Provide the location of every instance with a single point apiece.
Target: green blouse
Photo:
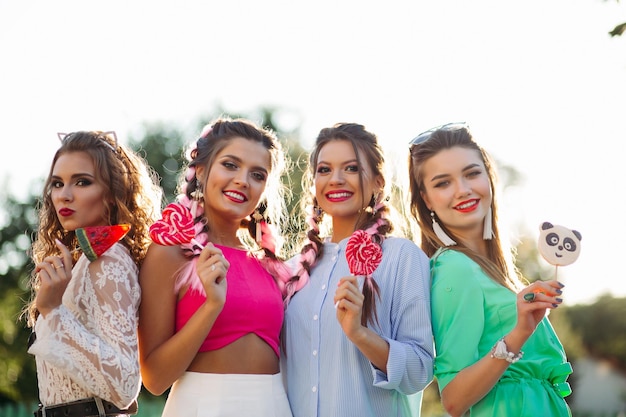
(470, 313)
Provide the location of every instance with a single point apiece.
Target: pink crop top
(253, 304)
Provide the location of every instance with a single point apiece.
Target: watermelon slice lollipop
(95, 240)
(175, 227)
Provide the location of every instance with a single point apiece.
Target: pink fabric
(253, 304)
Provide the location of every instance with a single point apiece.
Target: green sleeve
(457, 302)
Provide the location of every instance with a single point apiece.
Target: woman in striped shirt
(355, 345)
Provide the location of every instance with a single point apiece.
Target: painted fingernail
(555, 305)
(559, 292)
(561, 284)
(560, 300)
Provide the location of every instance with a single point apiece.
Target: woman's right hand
(55, 273)
(211, 268)
(533, 302)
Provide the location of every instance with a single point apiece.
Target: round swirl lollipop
(175, 227)
(362, 254)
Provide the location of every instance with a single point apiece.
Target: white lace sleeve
(88, 346)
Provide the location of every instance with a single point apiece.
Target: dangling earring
(197, 193)
(487, 230)
(258, 217)
(445, 239)
(371, 208)
(317, 213)
(197, 197)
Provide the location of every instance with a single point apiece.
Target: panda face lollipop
(559, 245)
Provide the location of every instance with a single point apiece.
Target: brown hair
(131, 195)
(495, 264)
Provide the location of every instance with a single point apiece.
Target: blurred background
(542, 85)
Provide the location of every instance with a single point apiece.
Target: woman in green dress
(496, 351)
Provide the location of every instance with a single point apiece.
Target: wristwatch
(501, 351)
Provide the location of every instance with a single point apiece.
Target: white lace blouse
(88, 345)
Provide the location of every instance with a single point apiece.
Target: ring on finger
(529, 297)
(213, 267)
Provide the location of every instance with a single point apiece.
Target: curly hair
(131, 195)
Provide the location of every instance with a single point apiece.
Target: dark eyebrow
(238, 159)
(438, 177)
(74, 176)
(352, 161)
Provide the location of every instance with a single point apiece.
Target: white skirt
(198, 394)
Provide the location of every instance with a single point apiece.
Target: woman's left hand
(55, 273)
(349, 303)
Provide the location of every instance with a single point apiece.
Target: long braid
(379, 227)
(269, 243)
(309, 255)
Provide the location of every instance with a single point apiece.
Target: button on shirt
(326, 374)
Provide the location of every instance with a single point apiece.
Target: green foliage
(17, 367)
(163, 149)
(602, 328)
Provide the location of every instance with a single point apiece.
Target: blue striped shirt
(326, 375)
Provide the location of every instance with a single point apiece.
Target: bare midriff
(247, 355)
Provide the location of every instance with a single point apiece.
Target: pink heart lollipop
(362, 254)
(175, 227)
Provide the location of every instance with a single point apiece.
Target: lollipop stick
(198, 244)
(556, 271)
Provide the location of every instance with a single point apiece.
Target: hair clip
(114, 137)
(110, 134)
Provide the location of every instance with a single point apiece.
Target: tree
(619, 29)
(602, 328)
(17, 367)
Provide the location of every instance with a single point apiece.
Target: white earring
(487, 230)
(445, 239)
(258, 217)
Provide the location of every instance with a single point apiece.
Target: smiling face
(337, 183)
(236, 180)
(77, 196)
(457, 189)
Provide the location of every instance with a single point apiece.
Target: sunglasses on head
(424, 136)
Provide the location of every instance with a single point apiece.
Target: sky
(541, 84)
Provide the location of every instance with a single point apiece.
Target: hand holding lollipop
(363, 256)
(175, 227)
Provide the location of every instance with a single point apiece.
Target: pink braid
(274, 266)
(188, 275)
(307, 257)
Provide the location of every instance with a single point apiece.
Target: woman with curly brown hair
(84, 310)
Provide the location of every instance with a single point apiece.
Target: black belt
(88, 407)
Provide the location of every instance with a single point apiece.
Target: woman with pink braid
(212, 310)
(355, 345)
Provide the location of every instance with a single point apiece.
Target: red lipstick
(467, 206)
(66, 212)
